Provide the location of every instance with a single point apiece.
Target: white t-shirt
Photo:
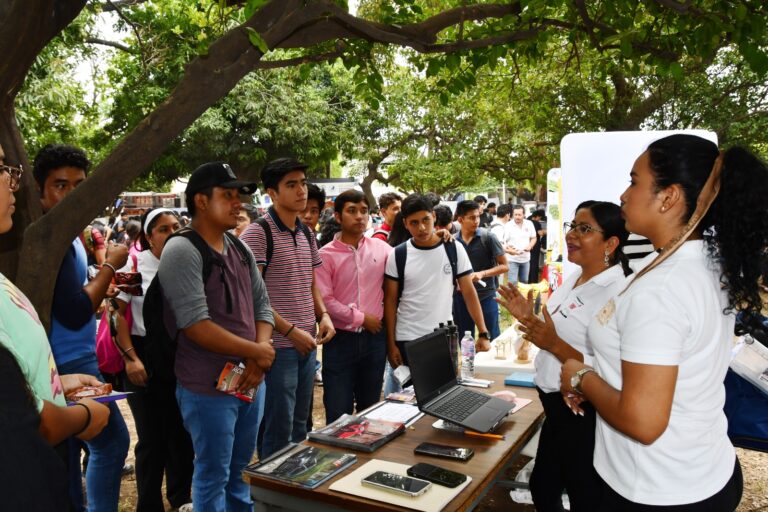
(571, 310)
(671, 316)
(519, 237)
(427, 298)
(146, 263)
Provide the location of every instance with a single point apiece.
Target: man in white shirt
(519, 239)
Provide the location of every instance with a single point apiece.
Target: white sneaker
(187, 507)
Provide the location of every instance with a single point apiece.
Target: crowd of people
(630, 369)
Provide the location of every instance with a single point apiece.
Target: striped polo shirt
(289, 274)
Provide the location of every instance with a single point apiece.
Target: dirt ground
(754, 465)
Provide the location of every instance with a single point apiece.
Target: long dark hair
(736, 227)
(399, 233)
(608, 217)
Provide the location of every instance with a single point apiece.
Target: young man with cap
(225, 319)
(286, 252)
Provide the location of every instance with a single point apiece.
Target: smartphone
(447, 452)
(397, 483)
(437, 475)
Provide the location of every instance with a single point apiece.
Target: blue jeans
(353, 366)
(518, 272)
(107, 452)
(464, 321)
(223, 430)
(290, 382)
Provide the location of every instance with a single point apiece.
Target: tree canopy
(451, 42)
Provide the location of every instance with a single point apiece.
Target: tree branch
(113, 44)
(296, 61)
(117, 4)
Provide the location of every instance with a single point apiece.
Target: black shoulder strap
(401, 253)
(308, 234)
(453, 258)
(262, 221)
(201, 246)
(245, 255)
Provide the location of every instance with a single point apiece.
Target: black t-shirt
(32, 476)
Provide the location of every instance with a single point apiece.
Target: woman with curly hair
(662, 345)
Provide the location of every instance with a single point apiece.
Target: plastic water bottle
(453, 344)
(467, 356)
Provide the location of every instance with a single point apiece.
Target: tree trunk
(367, 185)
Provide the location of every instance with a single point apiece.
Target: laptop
(438, 391)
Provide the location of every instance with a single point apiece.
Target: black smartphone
(447, 452)
(400, 484)
(436, 475)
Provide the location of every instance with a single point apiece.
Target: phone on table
(400, 484)
(437, 475)
(447, 452)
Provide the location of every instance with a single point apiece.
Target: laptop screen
(431, 367)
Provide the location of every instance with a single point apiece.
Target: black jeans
(564, 458)
(164, 446)
(726, 500)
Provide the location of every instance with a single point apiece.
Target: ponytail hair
(735, 228)
(608, 217)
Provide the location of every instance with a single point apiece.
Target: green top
(23, 334)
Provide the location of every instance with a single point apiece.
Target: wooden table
(491, 458)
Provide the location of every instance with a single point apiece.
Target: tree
(658, 33)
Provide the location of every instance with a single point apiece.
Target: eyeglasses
(580, 229)
(14, 176)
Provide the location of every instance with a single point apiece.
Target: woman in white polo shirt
(662, 346)
(564, 458)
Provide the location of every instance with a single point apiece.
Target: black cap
(217, 174)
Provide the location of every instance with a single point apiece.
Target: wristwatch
(484, 335)
(578, 376)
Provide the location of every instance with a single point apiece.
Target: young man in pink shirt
(351, 281)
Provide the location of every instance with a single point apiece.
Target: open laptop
(438, 392)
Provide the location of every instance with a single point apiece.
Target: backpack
(262, 221)
(159, 345)
(381, 232)
(401, 254)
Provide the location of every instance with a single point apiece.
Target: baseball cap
(217, 174)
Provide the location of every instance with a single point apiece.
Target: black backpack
(401, 254)
(262, 221)
(160, 345)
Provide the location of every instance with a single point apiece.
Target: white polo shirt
(571, 310)
(519, 237)
(672, 316)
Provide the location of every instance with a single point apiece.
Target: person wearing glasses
(564, 458)
(36, 419)
(663, 344)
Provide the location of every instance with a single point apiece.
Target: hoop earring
(606, 260)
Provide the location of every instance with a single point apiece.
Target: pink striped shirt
(351, 281)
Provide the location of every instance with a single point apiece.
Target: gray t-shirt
(180, 269)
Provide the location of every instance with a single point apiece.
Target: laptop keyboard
(459, 407)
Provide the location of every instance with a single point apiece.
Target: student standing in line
(427, 284)
(290, 276)
(224, 319)
(351, 280)
(488, 261)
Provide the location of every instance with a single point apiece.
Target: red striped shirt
(289, 274)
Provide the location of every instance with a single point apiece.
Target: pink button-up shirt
(351, 281)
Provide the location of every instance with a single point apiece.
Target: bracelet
(109, 265)
(125, 354)
(289, 331)
(87, 420)
(324, 313)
